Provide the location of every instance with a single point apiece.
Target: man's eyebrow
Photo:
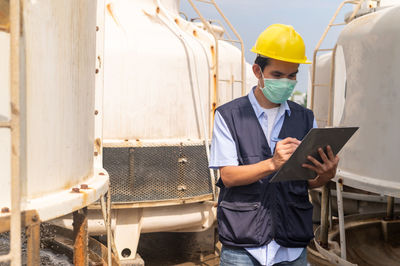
(276, 72)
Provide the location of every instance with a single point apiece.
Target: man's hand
(283, 150)
(326, 170)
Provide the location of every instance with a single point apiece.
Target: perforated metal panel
(140, 174)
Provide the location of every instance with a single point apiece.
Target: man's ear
(257, 71)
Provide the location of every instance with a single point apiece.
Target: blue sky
(251, 17)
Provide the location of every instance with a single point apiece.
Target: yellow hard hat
(283, 43)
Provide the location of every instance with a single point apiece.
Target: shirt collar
(284, 107)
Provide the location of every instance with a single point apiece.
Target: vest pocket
(299, 221)
(238, 222)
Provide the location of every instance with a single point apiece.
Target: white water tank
(371, 55)
(58, 90)
(159, 100)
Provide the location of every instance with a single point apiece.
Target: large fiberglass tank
(57, 137)
(164, 77)
(371, 55)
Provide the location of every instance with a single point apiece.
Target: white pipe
(342, 231)
(15, 229)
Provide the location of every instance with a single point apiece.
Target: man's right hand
(283, 150)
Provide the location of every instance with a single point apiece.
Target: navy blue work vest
(254, 214)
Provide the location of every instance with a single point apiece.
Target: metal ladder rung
(337, 24)
(324, 50)
(205, 1)
(227, 40)
(229, 80)
(5, 124)
(322, 85)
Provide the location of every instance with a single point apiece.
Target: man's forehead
(282, 66)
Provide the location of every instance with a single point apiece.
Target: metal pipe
(109, 233)
(342, 231)
(5, 258)
(5, 124)
(390, 208)
(324, 216)
(15, 228)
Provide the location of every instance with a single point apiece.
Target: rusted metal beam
(33, 244)
(390, 208)
(80, 224)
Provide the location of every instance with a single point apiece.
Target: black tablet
(336, 137)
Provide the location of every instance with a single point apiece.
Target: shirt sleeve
(223, 147)
(315, 124)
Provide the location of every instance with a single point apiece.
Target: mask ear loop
(262, 75)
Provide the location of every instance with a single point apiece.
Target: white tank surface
(371, 55)
(164, 77)
(58, 77)
(321, 93)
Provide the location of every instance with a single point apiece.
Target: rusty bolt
(97, 28)
(158, 10)
(96, 153)
(35, 218)
(97, 70)
(75, 190)
(84, 186)
(340, 180)
(101, 173)
(5, 210)
(96, 112)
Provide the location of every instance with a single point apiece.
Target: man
(262, 223)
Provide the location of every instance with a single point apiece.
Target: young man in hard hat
(262, 223)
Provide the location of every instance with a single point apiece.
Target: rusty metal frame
(238, 40)
(317, 48)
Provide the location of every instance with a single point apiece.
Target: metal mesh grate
(157, 173)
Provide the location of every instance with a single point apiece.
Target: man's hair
(262, 61)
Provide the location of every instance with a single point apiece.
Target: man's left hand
(325, 170)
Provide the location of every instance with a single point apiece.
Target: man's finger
(330, 153)
(314, 161)
(309, 167)
(290, 140)
(323, 155)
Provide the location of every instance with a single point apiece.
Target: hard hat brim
(290, 60)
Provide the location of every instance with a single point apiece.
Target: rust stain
(5, 15)
(84, 186)
(176, 21)
(158, 10)
(97, 145)
(80, 237)
(14, 109)
(5, 210)
(75, 190)
(110, 10)
(195, 33)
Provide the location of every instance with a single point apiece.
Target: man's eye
(277, 75)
